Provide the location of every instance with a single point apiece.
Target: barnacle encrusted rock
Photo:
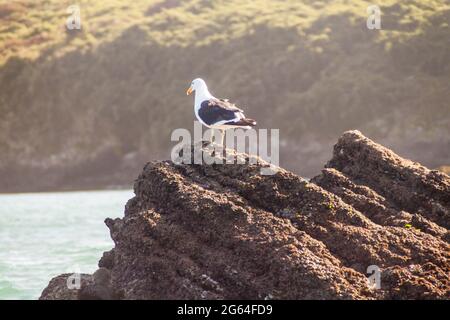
(228, 232)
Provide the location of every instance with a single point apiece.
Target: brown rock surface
(58, 288)
(405, 184)
(228, 232)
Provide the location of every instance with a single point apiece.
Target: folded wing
(221, 112)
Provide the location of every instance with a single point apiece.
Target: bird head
(197, 84)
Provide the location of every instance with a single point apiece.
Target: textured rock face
(58, 288)
(405, 184)
(228, 232)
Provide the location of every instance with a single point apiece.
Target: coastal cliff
(228, 232)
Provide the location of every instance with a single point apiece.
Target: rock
(374, 206)
(101, 288)
(90, 287)
(228, 232)
(407, 185)
(58, 288)
(107, 260)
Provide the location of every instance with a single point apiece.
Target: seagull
(217, 113)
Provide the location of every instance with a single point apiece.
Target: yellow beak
(189, 91)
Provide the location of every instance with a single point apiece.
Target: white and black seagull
(217, 113)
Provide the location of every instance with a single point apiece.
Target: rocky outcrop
(63, 288)
(228, 232)
(405, 184)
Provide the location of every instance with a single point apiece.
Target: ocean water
(45, 234)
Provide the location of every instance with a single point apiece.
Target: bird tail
(244, 122)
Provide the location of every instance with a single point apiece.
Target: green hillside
(87, 108)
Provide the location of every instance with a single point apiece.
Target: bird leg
(223, 136)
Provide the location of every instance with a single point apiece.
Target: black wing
(215, 110)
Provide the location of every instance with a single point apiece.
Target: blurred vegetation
(29, 27)
(101, 100)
